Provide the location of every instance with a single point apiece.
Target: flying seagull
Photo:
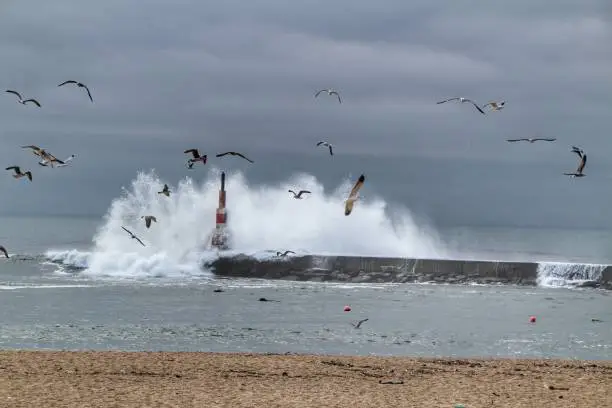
(235, 154)
(462, 100)
(283, 254)
(359, 323)
(62, 163)
(331, 151)
(3, 250)
(165, 191)
(80, 85)
(530, 140)
(354, 195)
(18, 173)
(43, 154)
(583, 160)
(298, 196)
(495, 106)
(22, 101)
(148, 219)
(196, 158)
(330, 92)
(132, 235)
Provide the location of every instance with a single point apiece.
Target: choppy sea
(81, 283)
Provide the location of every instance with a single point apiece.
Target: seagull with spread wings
(353, 196)
(359, 323)
(80, 85)
(132, 235)
(235, 154)
(196, 158)
(298, 196)
(581, 164)
(21, 100)
(462, 100)
(63, 163)
(165, 191)
(148, 219)
(19, 174)
(330, 92)
(284, 254)
(329, 145)
(531, 140)
(43, 154)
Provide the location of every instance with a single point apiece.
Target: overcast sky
(241, 75)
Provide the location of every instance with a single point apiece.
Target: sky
(233, 75)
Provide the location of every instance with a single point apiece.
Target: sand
(157, 379)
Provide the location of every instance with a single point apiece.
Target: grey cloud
(243, 74)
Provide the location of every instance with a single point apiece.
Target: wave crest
(260, 218)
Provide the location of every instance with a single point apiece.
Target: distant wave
(261, 218)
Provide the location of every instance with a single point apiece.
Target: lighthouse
(220, 235)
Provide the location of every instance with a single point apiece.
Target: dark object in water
(263, 299)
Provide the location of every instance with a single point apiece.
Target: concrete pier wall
(369, 269)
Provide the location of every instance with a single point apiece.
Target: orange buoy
(347, 308)
(532, 319)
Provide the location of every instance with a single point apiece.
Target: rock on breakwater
(375, 270)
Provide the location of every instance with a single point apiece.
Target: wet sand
(158, 379)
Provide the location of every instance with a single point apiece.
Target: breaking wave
(260, 219)
(559, 274)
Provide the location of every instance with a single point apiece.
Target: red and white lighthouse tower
(220, 236)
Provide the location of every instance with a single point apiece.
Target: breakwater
(379, 270)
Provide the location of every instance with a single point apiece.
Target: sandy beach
(159, 379)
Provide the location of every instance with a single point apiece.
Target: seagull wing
(337, 94)
(4, 251)
(348, 204)
(67, 82)
(515, 140)
(34, 101)
(36, 149)
(244, 157)
(292, 192)
(357, 186)
(331, 151)
(322, 90)
(303, 192)
(127, 230)
(194, 153)
(16, 168)
(29, 174)
(322, 143)
(582, 164)
(138, 239)
(88, 93)
(223, 154)
(14, 92)
(476, 106)
(546, 140)
(448, 100)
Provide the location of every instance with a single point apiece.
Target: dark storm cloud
(243, 74)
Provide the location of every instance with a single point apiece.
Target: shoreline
(182, 379)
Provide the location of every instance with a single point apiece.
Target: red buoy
(532, 319)
(347, 308)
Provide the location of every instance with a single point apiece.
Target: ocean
(80, 282)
